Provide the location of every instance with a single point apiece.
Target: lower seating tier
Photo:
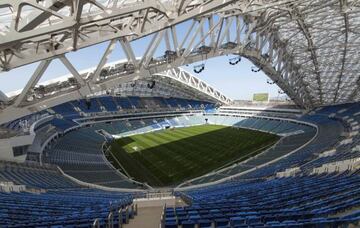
(285, 202)
(66, 208)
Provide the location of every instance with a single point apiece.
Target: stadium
(144, 141)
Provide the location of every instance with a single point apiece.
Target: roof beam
(38, 73)
(36, 18)
(343, 5)
(311, 48)
(72, 70)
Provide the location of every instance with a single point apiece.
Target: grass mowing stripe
(205, 145)
(129, 163)
(152, 159)
(154, 166)
(175, 154)
(168, 157)
(165, 154)
(188, 154)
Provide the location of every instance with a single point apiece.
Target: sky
(235, 81)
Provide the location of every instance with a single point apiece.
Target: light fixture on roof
(235, 60)
(199, 68)
(151, 85)
(268, 81)
(265, 56)
(255, 69)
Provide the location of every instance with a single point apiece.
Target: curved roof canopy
(308, 47)
(322, 39)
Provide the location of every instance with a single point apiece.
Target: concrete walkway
(150, 211)
(148, 217)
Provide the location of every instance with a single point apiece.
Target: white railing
(338, 166)
(39, 122)
(90, 185)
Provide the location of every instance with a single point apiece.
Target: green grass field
(169, 157)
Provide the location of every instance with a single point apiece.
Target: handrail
(99, 186)
(127, 214)
(163, 217)
(96, 223)
(38, 122)
(45, 144)
(110, 220)
(120, 218)
(132, 214)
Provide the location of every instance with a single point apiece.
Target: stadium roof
(174, 82)
(308, 47)
(322, 39)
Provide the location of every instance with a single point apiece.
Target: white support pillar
(72, 70)
(128, 50)
(175, 39)
(238, 30)
(78, 5)
(221, 24)
(167, 40)
(226, 30)
(103, 60)
(3, 97)
(271, 47)
(33, 80)
(202, 37)
(189, 48)
(151, 49)
(251, 27)
(187, 34)
(205, 36)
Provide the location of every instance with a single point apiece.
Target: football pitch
(169, 157)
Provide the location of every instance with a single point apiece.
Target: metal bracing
(61, 26)
(311, 48)
(343, 5)
(192, 52)
(186, 78)
(103, 60)
(32, 82)
(72, 70)
(308, 47)
(172, 83)
(328, 56)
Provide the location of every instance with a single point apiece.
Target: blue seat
(188, 224)
(237, 221)
(204, 223)
(171, 225)
(221, 222)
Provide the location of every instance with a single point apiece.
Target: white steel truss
(190, 80)
(172, 83)
(309, 48)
